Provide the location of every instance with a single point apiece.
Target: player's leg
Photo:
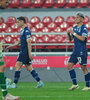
(2, 80)
(6, 95)
(17, 72)
(35, 75)
(72, 61)
(16, 75)
(72, 76)
(83, 62)
(87, 77)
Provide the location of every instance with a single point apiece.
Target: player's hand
(70, 31)
(6, 49)
(31, 57)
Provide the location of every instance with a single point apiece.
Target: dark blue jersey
(79, 45)
(25, 34)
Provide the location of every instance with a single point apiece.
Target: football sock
(3, 84)
(73, 76)
(87, 79)
(35, 75)
(17, 76)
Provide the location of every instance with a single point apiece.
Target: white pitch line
(53, 96)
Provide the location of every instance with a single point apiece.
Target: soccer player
(6, 95)
(25, 56)
(79, 54)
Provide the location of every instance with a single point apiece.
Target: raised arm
(82, 38)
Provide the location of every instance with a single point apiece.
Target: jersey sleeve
(28, 34)
(85, 32)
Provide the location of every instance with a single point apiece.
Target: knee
(29, 69)
(69, 66)
(17, 67)
(85, 70)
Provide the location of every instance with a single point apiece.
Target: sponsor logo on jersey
(28, 36)
(27, 31)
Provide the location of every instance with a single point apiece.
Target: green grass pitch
(51, 91)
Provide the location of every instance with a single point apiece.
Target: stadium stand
(44, 25)
(49, 4)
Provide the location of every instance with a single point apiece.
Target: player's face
(4, 3)
(19, 23)
(78, 19)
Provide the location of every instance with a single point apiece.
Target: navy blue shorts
(80, 57)
(24, 58)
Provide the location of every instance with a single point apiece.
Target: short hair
(81, 15)
(22, 19)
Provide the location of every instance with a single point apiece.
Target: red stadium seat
(52, 39)
(70, 20)
(71, 3)
(58, 29)
(1, 20)
(49, 3)
(48, 39)
(33, 37)
(88, 26)
(12, 39)
(2, 38)
(26, 3)
(52, 26)
(46, 30)
(15, 37)
(64, 26)
(65, 40)
(4, 26)
(10, 20)
(39, 39)
(45, 38)
(86, 20)
(8, 30)
(60, 3)
(37, 3)
(14, 3)
(1, 28)
(35, 20)
(39, 26)
(14, 27)
(8, 39)
(83, 3)
(47, 20)
(34, 30)
(58, 20)
(88, 40)
(58, 38)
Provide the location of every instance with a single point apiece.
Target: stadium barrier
(44, 61)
